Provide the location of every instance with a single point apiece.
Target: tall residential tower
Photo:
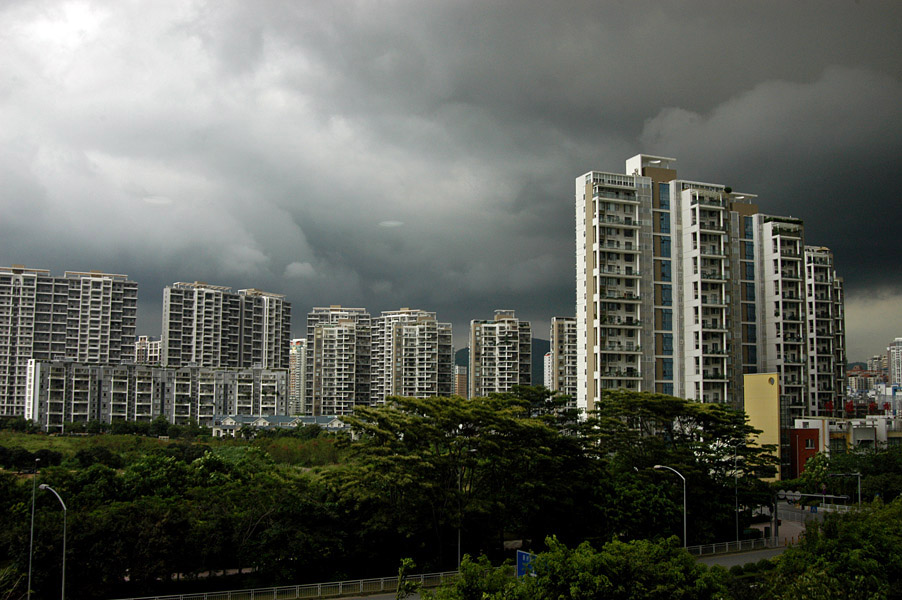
(82, 316)
(412, 355)
(500, 354)
(684, 286)
(211, 326)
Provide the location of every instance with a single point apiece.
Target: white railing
(725, 547)
(334, 589)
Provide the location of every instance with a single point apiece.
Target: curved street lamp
(44, 486)
(34, 483)
(684, 496)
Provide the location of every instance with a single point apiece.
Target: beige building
(500, 354)
(461, 381)
(338, 375)
(211, 326)
(412, 355)
(561, 368)
(147, 350)
(82, 316)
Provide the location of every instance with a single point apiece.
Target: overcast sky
(422, 154)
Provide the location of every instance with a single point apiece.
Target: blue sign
(524, 564)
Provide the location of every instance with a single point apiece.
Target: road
(390, 596)
(741, 558)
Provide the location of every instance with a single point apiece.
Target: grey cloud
(262, 145)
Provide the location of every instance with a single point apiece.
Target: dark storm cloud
(422, 154)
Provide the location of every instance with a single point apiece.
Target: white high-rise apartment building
(826, 332)
(297, 367)
(412, 355)
(560, 375)
(211, 326)
(82, 316)
(894, 360)
(683, 287)
(147, 350)
(338, 373)
(500, 354)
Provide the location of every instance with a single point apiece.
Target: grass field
(69, 445)
(288, 450)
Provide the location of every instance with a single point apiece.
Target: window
(749, 226)
(664, 222)
(665, 270)
(667, 388)
(751, 333)
(664, 195)
(667, 319)
(665, 247)
(666, 295)
(667, 344)
(750, 271)
(667, 369)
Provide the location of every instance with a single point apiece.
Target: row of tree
(427, 479)
(850, 555)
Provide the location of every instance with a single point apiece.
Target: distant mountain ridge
(539, 348)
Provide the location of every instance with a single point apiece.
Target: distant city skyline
(422, 154)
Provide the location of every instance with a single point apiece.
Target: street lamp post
(684, 497)
(44, 486)
(856, 474)
(736, 490)
(34, 483)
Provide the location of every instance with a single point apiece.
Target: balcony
(618, 347)
(710, 275)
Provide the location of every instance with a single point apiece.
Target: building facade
(63, 392)
(683, 287)
(147, 350)
(82, 316)
(297, 367)
(461, 382)
(561, 368)
(210, 326)
(339, 349)
(893, 360)
(500, 354)
(412, 355)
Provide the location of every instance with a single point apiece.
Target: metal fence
(359, 587)
(725, 547)
(334, 589)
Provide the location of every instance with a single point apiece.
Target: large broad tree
(711, 445)
(489, 469)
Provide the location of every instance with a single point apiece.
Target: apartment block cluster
(683, 287)
(69, 353)
(68, 350)
(350, 358)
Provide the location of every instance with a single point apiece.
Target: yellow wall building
(762, 405)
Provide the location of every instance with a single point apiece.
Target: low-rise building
(63, 392)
